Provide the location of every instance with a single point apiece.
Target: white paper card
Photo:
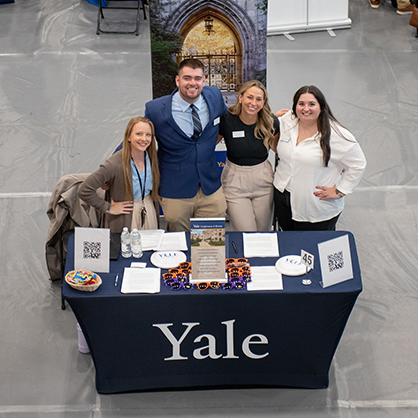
(173, 241)
(307, 259)
(238, 134)
(261, 245)
(335, 260)
(265, 278)
(92, 249)
(141, 280)
(138, 265)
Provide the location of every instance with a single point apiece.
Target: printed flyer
(207, 239)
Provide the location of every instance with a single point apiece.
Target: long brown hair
(264, 129)
(326, 120)
(126, 159)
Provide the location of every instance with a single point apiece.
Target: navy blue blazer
(184, 163)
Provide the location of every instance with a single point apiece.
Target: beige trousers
(177, 212)
(403, 4)
(249, 196)
(151, 220)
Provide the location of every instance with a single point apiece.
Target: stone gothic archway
(220, 50)
(189, 13)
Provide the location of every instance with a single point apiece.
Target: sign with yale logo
(210, 350)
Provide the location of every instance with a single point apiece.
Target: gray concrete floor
(66, 95)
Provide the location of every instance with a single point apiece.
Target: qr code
(92, 249)
(335, 261)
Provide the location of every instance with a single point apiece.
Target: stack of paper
(265, 278)
(159, 240)
(151, 238)
(261, 245)
(173, 241)
(141, 280)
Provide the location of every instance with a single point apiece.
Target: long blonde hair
(126, 160)
(264, 129)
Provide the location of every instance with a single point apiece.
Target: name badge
(238, 134)
(216, 121)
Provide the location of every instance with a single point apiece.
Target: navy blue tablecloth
(217, 338)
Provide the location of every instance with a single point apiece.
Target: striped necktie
(197, 126)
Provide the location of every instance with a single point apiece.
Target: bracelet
(108, 208)
(339, 193)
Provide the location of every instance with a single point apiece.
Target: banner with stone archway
(228, 36)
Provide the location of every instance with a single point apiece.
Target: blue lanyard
(142, 188)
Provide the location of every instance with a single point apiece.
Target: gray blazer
(110, 171)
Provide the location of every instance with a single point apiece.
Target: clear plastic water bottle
(125, 243)
(136, 244)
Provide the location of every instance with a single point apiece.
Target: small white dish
(167, 259)
(290, 265)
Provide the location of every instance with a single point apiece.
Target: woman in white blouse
(319, 163)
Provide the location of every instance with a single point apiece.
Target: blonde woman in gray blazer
(132, 176)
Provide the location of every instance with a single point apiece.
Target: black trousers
(283, 214)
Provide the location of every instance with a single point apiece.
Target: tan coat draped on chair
(66, 211)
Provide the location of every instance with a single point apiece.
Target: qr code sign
(335, 261)
(92, 249)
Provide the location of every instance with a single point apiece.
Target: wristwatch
(339, 193)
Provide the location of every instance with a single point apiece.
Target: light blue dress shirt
(135, 181)
(182, 113)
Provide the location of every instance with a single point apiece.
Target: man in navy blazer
(190, 185)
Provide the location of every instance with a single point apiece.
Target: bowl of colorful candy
(85, 281)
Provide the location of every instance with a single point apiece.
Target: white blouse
(301, 169)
